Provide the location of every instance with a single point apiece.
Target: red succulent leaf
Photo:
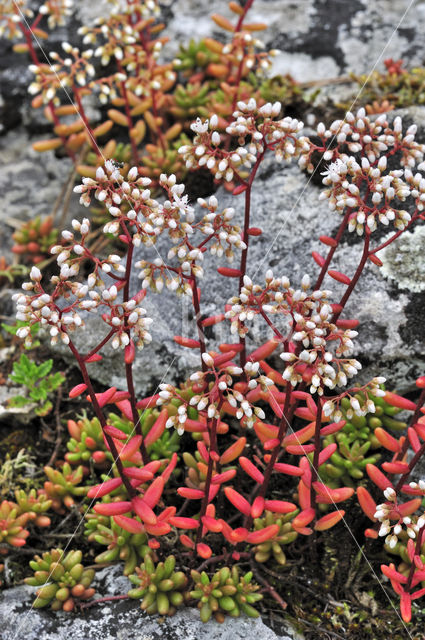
(279, 506)
(112, 508)
(257, 507)
(238, 501)
(203, 550)
(392, 574)
(192, 494)
(257, 537)
(186, 541)
(211, 524)
(129, 524)
(183, 523)
(406, 606)
(143, 510)
(103, 489)
(303, 518)
(153, 493)
(157, 429)
(251, 470)
(77, 390)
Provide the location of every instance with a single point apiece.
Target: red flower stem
(315, 463)
(28, 39)
(82, 114)
(86, 605)
(100, 345)
(129, 366)
(396, 235)
(212, 447)
(418, 548)
(198, 318)
(268, 587)
(245, 238)
(129, 118)
(355, 278)
(283, 428)
(271, 325)
(332, 251)
(100, 416)
(238, 79)
(242, 17)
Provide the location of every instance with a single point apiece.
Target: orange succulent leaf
(234, 451)
(265, 431)
(388, 441)
(378, 477)
(264, 351)
(303, 518)
(367, 503)
(327, 495)
(398, 401)
(203, 550)
(329, 520)
(299, 437)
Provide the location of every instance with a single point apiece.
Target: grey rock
(403, 260)
(29, 181)
(120, 620)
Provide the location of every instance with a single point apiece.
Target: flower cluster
(10, 17)
(56, 11)
(391, 510)
(360, 403)
(256, 124)
(117, 38)
(311, 330)
(123, 318)
(65, 72)
(359, 178)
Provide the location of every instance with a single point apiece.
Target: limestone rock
(120, 620)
